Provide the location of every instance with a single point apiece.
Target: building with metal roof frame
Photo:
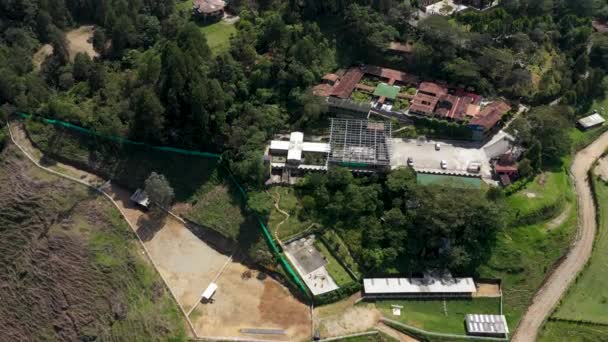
(360, 145)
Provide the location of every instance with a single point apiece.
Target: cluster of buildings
(438, 286)
(400, 95)
(360, 145)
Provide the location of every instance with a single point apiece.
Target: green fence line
(276, 251)
(270, 240)
(120, 139)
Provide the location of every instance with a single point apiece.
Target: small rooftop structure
(486, 325)
(592, 120)
(209, 291)
(599, 26)
(428, 285)
(360, 144)
(208, 7)
(141, 197)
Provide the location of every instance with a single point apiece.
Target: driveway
(560, 279)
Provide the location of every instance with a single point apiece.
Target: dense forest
(157, 80)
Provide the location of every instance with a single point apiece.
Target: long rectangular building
(430, 286)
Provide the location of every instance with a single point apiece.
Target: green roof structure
(388, 91)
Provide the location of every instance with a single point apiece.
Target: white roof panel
(418, 285)
(591, 120)
(210, 290)
(279, 145)
(315, 147)
(486, 324)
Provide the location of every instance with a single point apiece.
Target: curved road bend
(558, 281)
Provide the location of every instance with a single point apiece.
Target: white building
(293, 153)
(487, 325)
(592, 120)
(428, 286)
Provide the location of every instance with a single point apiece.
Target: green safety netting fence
(273, 246)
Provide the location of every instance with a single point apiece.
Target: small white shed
(209, 291)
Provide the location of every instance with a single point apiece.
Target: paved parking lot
(458, 155)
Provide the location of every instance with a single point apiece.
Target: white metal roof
(296, 137)
(315, 147)
(209, 291)
(418, 285)
(279, 145)
(486, 324)
(591, 120)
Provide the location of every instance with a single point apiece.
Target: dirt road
(549, 294)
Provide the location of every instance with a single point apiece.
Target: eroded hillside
(71, 269)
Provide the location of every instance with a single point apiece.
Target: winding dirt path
(558, 281)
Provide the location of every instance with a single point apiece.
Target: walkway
(560, 279)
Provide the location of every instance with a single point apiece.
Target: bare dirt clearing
(187, 263)
(343, 318)
(558, 281)
(247, 299)
(40, 55)
(79, 40)
(487, 290)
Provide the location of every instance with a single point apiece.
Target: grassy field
(556, 331)
(217, 205)
(587, 298)
(449, 181)
(542, 198)
(431, 315)
(217, 34)
(288, 203)
(523, 254)
(336, 271)
(72, 268)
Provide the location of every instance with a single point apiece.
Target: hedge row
(339, 294)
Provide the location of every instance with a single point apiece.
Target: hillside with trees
(156, 81)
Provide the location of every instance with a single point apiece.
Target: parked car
(437, 146)
(410, 161)
(444, 164)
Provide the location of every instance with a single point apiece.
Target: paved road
(555, 286)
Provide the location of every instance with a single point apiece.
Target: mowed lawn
(555, 331)
(433, 315)
(547, 190)
(587, 298)
(523, 254)
(335, 269)
(218, 36)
